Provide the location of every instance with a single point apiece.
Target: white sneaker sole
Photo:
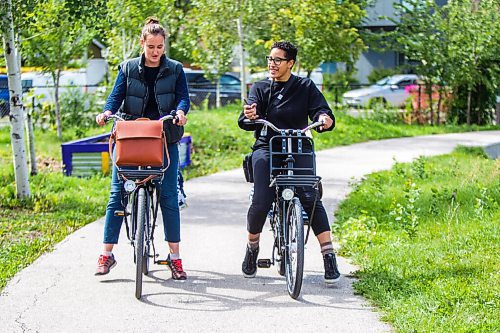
(331, 281)
(249, 276)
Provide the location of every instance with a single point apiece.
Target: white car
(391, 90)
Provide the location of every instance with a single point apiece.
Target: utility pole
(242, 56)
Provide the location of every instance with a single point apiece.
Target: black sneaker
(332, 273)
(249, 266)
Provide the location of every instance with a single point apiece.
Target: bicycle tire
(294, 248)
(139, 241)
(147, 237)
(145, 260)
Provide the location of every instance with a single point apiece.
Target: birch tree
(16, 107)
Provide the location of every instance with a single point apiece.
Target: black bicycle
(287, 218)
(140, 197)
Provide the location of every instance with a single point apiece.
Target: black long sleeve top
(287, 105)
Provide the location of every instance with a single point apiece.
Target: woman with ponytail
(149, 86)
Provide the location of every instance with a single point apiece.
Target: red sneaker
(104, 264)
(175, 266)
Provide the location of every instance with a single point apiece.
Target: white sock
(174, 256)
(107, 254)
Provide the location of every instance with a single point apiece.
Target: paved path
(58, 293)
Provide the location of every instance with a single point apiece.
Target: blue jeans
(168, 203)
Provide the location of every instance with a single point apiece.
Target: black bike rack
(139, 174)
(295, 180)
(297, 141)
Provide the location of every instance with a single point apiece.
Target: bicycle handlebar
(118, 118)
(276, 129)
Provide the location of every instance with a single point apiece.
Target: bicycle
(140, 198)
(286, 217)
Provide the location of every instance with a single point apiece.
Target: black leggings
(263, 196)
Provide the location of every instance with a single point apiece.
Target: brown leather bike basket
(139, 143)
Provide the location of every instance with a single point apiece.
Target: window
(404, 83)
(229, 82)
(27, 84)
(4, 84)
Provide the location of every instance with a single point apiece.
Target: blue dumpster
(88, 156)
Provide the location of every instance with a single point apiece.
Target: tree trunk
(497, 113)
(431, 108)
(56, 102)
(440, 98)
(124, 43)
(478, 105)
(419, 102)
(217, 94)
(16, 107)
(242, 59)
(167, 46)
(469, 93)
(31, 142)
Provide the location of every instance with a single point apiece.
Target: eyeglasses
(277, 61)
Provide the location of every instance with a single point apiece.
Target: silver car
(392, 90)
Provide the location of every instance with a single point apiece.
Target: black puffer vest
(136, 96)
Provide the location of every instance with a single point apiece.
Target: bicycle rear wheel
(294, 248)
(139, 241)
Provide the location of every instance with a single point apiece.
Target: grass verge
(426, 236)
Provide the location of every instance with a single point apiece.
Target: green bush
(483, 102)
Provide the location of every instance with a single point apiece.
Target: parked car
(4, 96)
(392, 90)
(201, 89)
(316, 76)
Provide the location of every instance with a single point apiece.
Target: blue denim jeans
(168, 203)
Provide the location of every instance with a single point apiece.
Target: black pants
(264, 195)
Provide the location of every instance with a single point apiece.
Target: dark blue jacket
(130, 92)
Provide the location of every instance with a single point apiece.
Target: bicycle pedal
(162, 262)
(264, 263)
(119, 213)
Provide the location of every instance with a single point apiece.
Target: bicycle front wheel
(294, 248)
(139, 241)
(148, 233)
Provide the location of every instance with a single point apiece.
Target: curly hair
(289, 48)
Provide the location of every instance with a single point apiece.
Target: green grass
(58, 207)
(426, 236)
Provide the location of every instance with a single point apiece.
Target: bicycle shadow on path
(212, 291)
